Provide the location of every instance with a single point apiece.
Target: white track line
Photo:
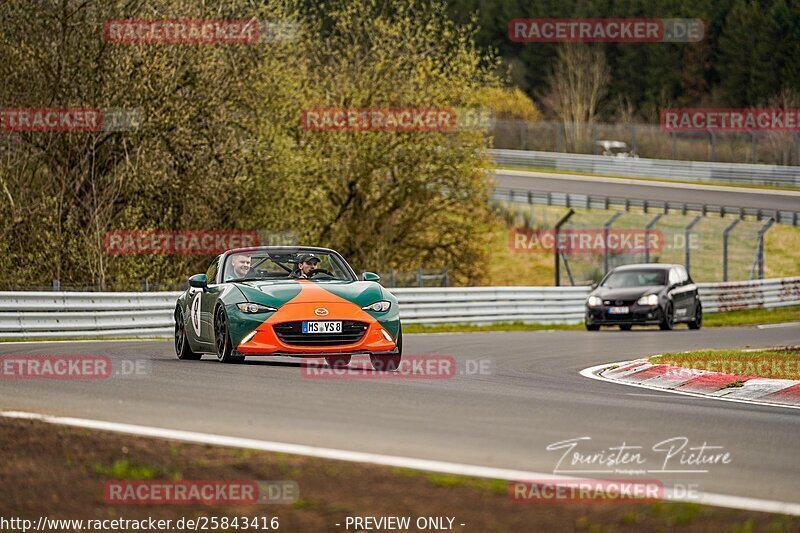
(719, 500)
(779, 325)
(649, 182)
(593, 373)
(65, 341)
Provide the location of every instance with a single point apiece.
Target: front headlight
(594, 301)
(648, 300)
(378, 307)
(255, 308)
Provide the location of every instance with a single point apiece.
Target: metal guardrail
(740, 173)
(31, 315)
(737, 295)
(593, 201)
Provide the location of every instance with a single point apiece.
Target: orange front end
(282, 333)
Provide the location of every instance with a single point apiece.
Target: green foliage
(221, 145)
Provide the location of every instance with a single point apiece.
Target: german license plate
(322, 327)
(618, 310)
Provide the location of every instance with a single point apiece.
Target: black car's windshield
(634, 278)
(270, 265)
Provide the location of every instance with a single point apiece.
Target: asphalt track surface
(529, 395)
(766, 199)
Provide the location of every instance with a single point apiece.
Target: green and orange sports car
(287, 301)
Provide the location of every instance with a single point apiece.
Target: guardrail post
(753, 145)
(647, 229)
(687, 249)
(419, 277)
(391, 277)
(444, 277)
(606, 227)
(56, 284)
(556, 230)
(725, 234)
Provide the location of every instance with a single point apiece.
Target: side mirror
(370, 276)
(198, 281)
(595, 285)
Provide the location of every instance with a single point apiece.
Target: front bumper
(638, 314)
(266, 342)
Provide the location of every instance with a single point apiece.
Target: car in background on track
(287, 301)
(644, 294)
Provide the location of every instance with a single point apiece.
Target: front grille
(618, 303)
(292, 333)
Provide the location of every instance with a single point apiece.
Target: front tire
(389, 363)
(625, 327)
(667, 319)
(697, 321)
(592, 327)
(222, 339)
(182, 348)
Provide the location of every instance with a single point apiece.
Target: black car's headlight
(255, 308)
(594, 301)
(651, 299)
(378, 307)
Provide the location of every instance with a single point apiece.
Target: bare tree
(575, 86)
(784, 146)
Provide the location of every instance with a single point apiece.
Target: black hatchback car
(644, 294)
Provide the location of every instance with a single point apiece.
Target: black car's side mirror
(198, 281)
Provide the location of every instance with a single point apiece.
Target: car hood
(626, 293)
(278, 293)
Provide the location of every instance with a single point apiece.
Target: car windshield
(634, 278)
(276, 265)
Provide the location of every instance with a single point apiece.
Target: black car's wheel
(667, 318)
(625, 327)
(222, 339)
(697, 321)
(182, 348)
(338, 361)
(592, 327)
(388, 363)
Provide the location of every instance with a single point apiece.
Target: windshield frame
(269, 251)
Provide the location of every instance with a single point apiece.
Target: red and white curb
(699, 383)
